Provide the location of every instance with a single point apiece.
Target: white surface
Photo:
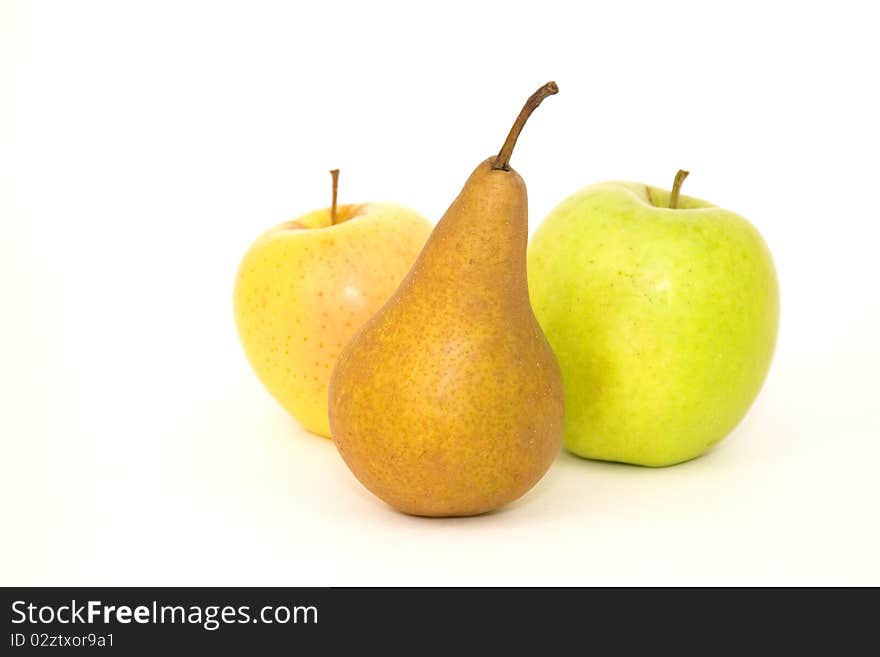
(144, 145)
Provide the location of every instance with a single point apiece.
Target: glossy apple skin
(664, 321)
(305, 287)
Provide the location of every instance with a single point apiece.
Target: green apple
(663, 312)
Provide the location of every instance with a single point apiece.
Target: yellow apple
(306, 286)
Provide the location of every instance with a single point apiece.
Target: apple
(663, 312)
(306, 286)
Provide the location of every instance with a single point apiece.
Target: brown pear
(449, 402)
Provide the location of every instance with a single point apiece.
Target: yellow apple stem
(502, 162)
(334, 173)
(676, 188)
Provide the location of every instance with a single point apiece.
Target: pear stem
(676, 188)
(502, 162)
(334, 173)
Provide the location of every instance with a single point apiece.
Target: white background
(143, 146)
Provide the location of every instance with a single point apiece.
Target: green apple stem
(334, 173)
(502, 162)
(676, 188)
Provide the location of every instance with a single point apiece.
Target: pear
(449, 401)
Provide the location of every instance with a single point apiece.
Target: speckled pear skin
(449, 401)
